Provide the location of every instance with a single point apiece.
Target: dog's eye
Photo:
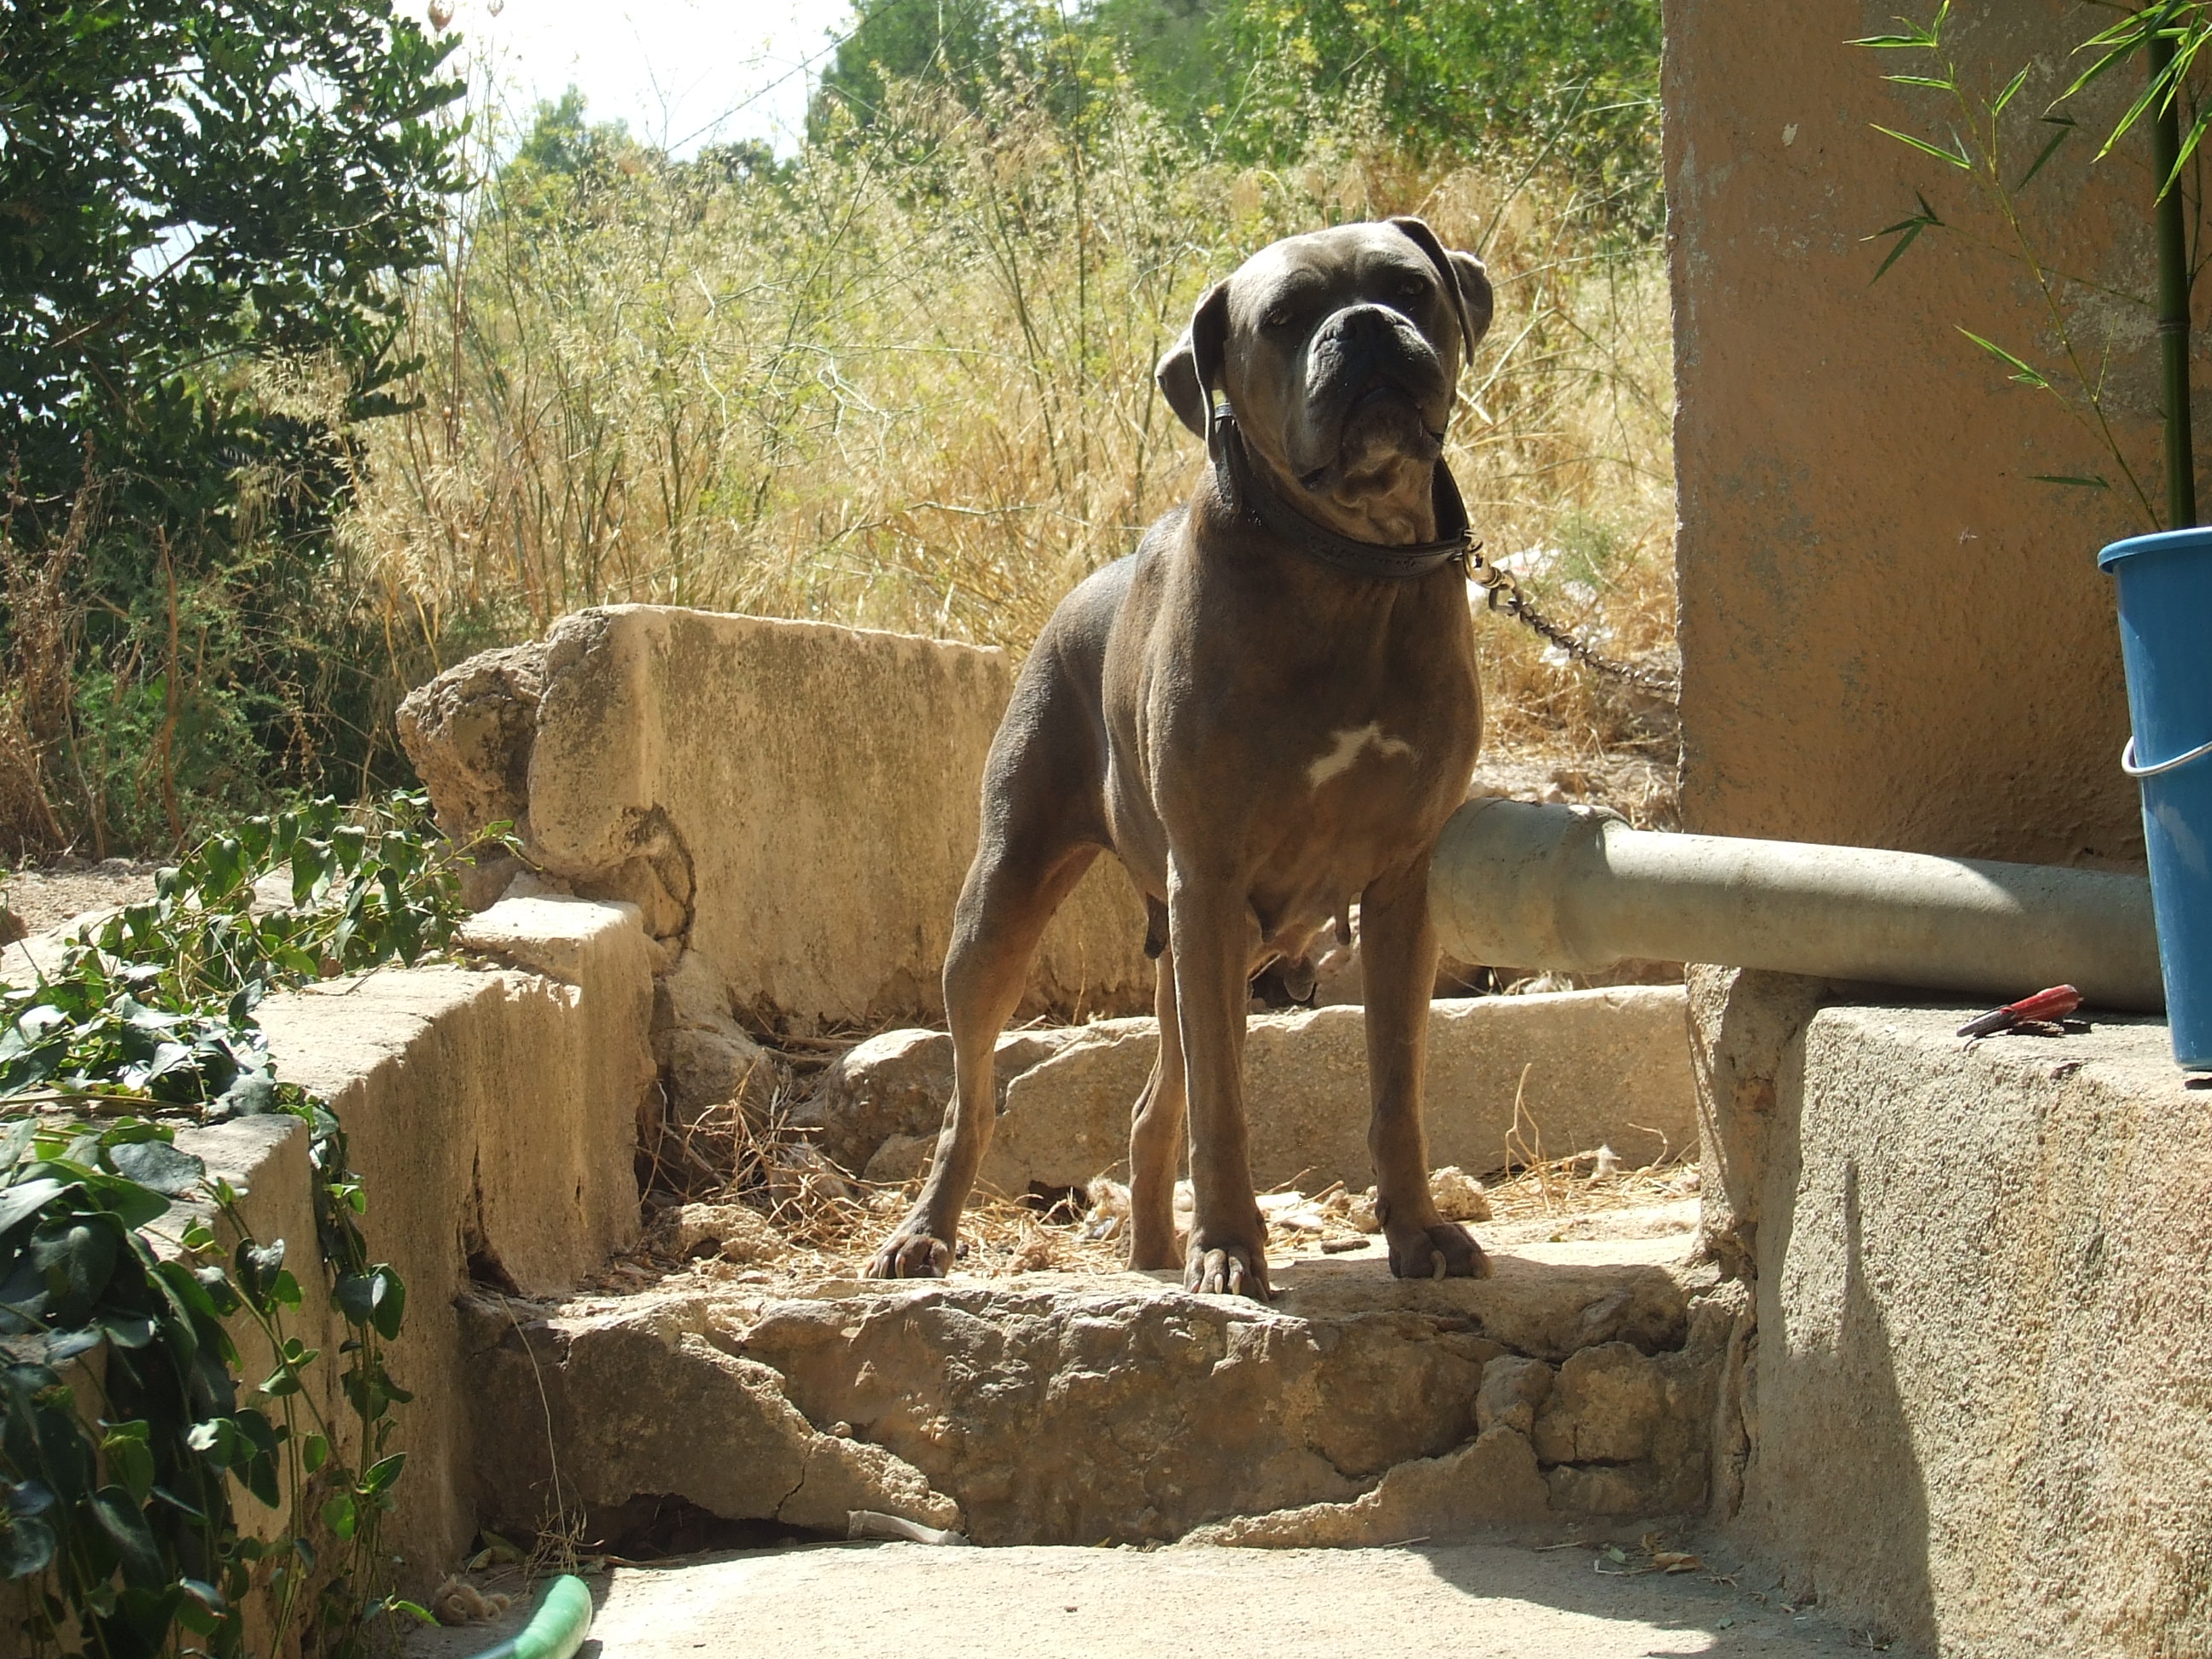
(1412, 288)
(1278, 317)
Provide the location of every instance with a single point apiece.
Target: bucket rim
(2159, 541)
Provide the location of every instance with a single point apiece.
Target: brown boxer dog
(1267, 712)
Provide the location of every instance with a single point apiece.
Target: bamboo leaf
(2021, 372)
(2066, 125)
(1954, 159)
(2011, 92)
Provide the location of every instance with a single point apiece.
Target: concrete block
(492, 1115)
(1978, 1423)
(797, 803)
(1609, 1066)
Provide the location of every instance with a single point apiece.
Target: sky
(682, 73)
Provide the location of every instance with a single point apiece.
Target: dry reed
(908, 384)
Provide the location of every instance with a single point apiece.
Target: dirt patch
(35, 900)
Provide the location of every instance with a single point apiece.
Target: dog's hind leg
(1156, 1140)
(1398, 954)
(1009, 895)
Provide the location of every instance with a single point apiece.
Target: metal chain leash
(1500, 592)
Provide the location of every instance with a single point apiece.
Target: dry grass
(835, 1222)
(910, 387)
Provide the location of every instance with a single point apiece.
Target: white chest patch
(1350, 745)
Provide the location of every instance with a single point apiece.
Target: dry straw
(908, 384)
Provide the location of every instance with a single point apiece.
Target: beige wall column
(1891, 636)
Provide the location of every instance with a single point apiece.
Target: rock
(900, 1159)
(1491, 1482)
(1066, 1119)
(736, 1232)
(898, 1085)
(470, 733)
(798, 802)
(1513, 1389)
(1052, 1408)
(1603, 1407)
(642, 1402)
(702, 1070)
(1610, 1489)
(1597, 1063)
(1459, 1196)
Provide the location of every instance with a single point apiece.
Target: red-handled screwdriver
(2056, 1003)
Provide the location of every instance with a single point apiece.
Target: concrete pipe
(1575, 888)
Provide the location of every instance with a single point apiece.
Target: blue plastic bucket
(2166, 644)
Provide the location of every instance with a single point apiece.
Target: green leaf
(2066, 125)
(26, 1199)
(339, 1514)
(159, 1166)
(129, 1460)
(383, 1473)
(2021, 372)
(314, 1452)
(2012, 89)
(26, 1546)
(1958, 160)
(255, 1267)
(123, 1521)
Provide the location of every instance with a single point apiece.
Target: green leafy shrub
(122, 1414)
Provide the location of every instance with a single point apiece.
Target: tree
(1577, 80)
(184, 182)
(189, 188)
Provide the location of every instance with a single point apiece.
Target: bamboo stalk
(2172, 292)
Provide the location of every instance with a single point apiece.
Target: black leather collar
(1251, 497)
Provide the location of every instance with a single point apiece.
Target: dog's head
(1339, 352)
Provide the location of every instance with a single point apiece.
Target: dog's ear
(1192, 368)
(1465, 280)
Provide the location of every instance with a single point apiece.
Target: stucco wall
(1891, 635)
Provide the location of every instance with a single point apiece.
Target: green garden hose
(557, 1628)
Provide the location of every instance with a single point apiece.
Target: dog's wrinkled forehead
(1329, 270)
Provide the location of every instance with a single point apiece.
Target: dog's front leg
(1212, 934)
(1398, 953)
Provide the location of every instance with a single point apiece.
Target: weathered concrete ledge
(1073, 1409)
(1584, 1067)
(492, 1114)
(1979, 1421)
(795, 802)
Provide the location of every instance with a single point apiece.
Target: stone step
(1581, 1381)
(1582, 1067)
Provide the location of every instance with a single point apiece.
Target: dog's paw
(909, 1256)
(1447, 1250)
(1230, 1269)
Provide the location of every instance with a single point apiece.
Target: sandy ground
(44, 897)
(1474, 1601)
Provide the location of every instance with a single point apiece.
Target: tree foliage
(184, 182)
(1574, 79)
(190, 191)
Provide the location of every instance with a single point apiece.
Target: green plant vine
(125, 1416)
